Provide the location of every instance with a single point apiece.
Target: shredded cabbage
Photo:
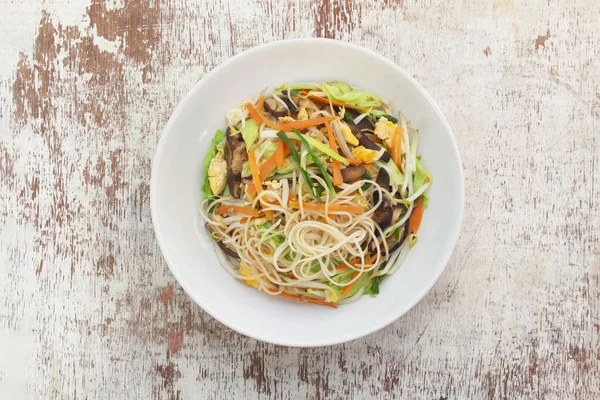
(250, 133)
(345, 93)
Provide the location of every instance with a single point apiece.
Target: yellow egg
(348, 135)
(217, 173)
(246, 271)
(365, 155)
(302, 114)
(384, 130)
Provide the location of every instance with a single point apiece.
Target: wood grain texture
(88, 307)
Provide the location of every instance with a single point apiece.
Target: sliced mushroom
(353, 173)
(368, 143)
(364, 123)
(395, 244)
(275, 108)
(383, 214)
(235, 155)
(227, 250)
(383, 180)
(292, 105)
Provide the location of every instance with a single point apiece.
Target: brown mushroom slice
(383, 215)
(383, 180)
(235, 155)
(364, 123)
(292, 105)
(275, 108)
(353, 173)
(227, 250)
(368, 143)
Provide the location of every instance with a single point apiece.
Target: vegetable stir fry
(314, 192)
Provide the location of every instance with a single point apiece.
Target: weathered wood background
(88, 307)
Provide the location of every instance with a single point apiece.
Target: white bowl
(177, 178)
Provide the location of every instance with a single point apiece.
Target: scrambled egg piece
(275, 186)
(348, 135)
(247, 272)
(385, 130)
(217, 172)
(366, 155)
(238, 114)
(286, 119)
(302, 114)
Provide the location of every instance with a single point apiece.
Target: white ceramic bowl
(177, 178)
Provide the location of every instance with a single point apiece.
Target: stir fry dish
(314, 192)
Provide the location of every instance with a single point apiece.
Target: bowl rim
(391, 317)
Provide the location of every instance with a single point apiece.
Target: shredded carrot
(415, 218)
(259, 118)
(356, 275)
(269, 215)
(326, 100)
(354, 161)
(397, 141)
(370, 167)
(280, 153)
(267, 168)
(330, 207)
(228, 209)
(307, 123)
(309, 300)
(343, 267)
(260, 105)
(255, 173)
(293, 196)
(374, 138)
(244, 220)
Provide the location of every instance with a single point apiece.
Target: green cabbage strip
(345, 93)
(212, 151)
(396, 177)
(419, 176)
(378, 114)
(274, 240)
(296, 157)
(372, 288)
(250, 133)
(317, 162)
(323, 148)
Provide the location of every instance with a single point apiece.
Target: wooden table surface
(90, 310)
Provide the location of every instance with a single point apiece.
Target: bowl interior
(177, 178)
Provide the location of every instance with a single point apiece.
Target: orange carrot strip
(370, 167)
(415, 218)
(244, 220)
(269, 215)
(331, 207)
(228, 209)
(267, 168)
(293, 196)
(309, 300)
(280, 153)
(259, 118)
(307, 123)
(255, 173)
(354, 161)
(397, 141)
(356, 275)
(333, 102)
(260, 105)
